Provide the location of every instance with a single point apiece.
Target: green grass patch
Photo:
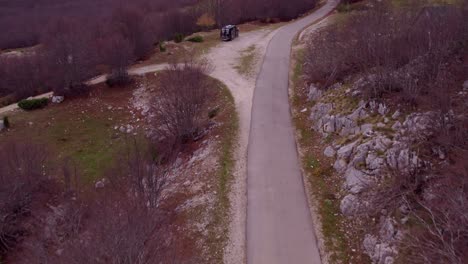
(196, 39)
(247, 60)
(78, 130)
(33, 104)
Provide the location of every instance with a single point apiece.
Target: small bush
(213, 112)
(162, 47)
(197, 39)
(178, 38)
(118, 79)
(73, 90)
(33, 104)
(6, 122)
(344, 7)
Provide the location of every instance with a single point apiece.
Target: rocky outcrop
(376, 141)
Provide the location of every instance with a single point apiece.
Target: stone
(378, 252)
(57, 99)
(356, 93)
(356, 180)
(2, 125)
(329, 152)
(340, 165)
(345, 152)
(404, 209)
(383, 109)
(388, 231)
(335, 86)
(381, 143)
(349, 205)
(99, 184)
(373, 162)
(314, 93)
(320, 110)
(419, 124)
(367, 129)
(396, 126)
(396, 114)
(401, 158)
(359, 113)
(369, 243)
(389, 260)
(345, 125)
(465, 85)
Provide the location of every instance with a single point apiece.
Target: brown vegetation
(411, 57)
(75, 39)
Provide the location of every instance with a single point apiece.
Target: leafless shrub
(440, 234)
(140, 173)
(404, 49)
(178, 106)
(119, 61)
(21, 173)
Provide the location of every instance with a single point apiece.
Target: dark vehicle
(229, 32)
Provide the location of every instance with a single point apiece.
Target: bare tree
(179, 104)
(120, 55)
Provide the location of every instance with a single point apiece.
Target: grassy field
(81, 129)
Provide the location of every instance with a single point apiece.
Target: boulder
(349, 205)
(329, 126)
(374, 162)
(396, 126)
(329, 152)
(319, 111)
(2, 125)
(396, 114)
(419, 125)
(340, 165)
(345, 152)
(383, 109)
(314, 93)
(100, 184)
(356, 180)
(359, 113)
(387, 230)
(379, 253)
(401, 158)
(57, 99)
(345, 125)
(335, 86)
(369, 243)
(367, 129)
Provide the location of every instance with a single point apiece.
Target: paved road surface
(279, 224)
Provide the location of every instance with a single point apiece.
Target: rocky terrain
(369, 141)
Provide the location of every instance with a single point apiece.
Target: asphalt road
(279, 224)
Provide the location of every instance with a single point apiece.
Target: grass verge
(247, 61)
(218, 231)
(320, 180)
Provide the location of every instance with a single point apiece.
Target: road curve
(279, 224)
